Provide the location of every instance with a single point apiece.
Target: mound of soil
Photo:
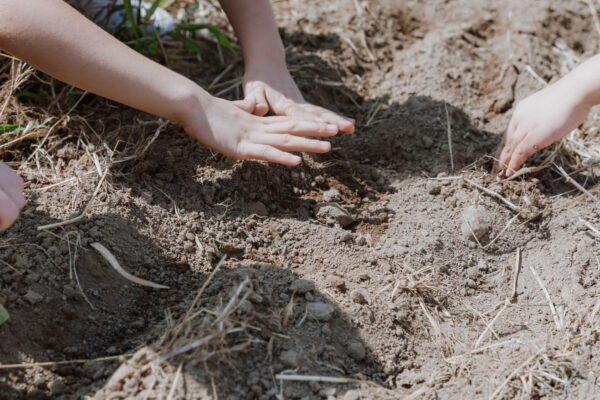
(359, 265)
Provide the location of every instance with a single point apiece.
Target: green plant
(135, 30)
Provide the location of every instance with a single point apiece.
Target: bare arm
(53, 37)
(267, 83)
(56, 39)
(548, 115)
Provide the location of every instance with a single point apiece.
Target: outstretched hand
(538, 121)
(272, 88)
(11, 196)
(240, 135)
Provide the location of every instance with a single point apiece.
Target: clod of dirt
(331, 195)
(346, 237)
(33, 297)
(290, 359)
(477, 222)
(321, 311)
(357, 351)
(433, 188)
(337, 282)
(301, 286)
(352, 395)
(57, 387)
(358, 297)
(258, 208)
(332, 213)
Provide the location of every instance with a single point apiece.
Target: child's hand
(272, 88)
(11, 196)
(538, 121)
(229, 130)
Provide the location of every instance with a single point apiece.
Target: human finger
(269, 153)
(520, 155)
(288, 142)
(303, 128)
(9, 212)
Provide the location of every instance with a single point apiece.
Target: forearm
(584, 82)
(53, 37)
(256, 30)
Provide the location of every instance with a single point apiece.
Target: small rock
(332, 213)
(337, 283)
(357, 351)
(352, 395)
(258, 208)
(476, 221)
(321, 311)
(138, 323)
(69, 292)
(331, 195)
(433, 188)
(93, 370)
(302, 286)
(290, 359)
(361, 240)
(427, 142)
(473, 273)
(33, 297)
(57, 387)
(358, 297)
(32, 278)
(346, 237)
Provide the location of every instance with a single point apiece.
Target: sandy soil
(359, 264)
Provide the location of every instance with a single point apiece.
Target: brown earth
(356, 264)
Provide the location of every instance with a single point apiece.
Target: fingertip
(325, 146)
(294, 160)
(348, 129)
(332, 129)
(246, 104)
(261, 109)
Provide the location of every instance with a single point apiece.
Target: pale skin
(549, 115)
(53, 37)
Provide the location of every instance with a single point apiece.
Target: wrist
(265, 58)
(188, 102)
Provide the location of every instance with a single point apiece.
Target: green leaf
(153, 47)
(3, 315)
(152, 9)
(188, 43)
(7, 128)
(223, 41)
(131, 18)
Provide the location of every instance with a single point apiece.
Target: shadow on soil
(52, 321)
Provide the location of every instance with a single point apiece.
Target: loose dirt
(359, 264)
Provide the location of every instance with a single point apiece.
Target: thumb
(248, 104)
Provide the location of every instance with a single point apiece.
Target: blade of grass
(8, 128)
(152, 9)
(223, 41)
(131, 18)
(3, 314)
(188, 43)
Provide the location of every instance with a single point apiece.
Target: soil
(356, 264)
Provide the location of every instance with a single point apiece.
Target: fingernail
(350, 119)
(325, 146)
(331, 128)
(296, 159)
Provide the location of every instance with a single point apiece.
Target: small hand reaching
(11, 196)
(542, 119)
